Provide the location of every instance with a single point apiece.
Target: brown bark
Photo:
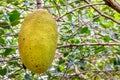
(38, 4)
(113, 4)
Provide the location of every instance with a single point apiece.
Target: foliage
(77, 24)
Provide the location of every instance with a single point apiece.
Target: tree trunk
(113, 4)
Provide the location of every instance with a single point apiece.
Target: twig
(80, 26)
(115, 40)
(9, 47)
(102, 14)
(65, 72)
(95, 71)
(49, 6)
(76, 9)
(89, 44)
(9, 59)
(77, 45)
(8, 35)
(78, 72)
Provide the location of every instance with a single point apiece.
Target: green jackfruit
(37, 41)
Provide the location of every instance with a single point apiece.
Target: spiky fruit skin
(37, 41)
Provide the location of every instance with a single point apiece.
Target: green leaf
(69, 31)
(60, 68)
(99, 49)
(93, 41)
(14, 15)
(77, 2)
(1, 12)
(4, 24)
(69, 16)
(61, 61)
(15, 23)
(80, 47)
(3, 71)
(117, 16)
(118, 52)
(106, 38)
(1, 31)
(75, 41)
(61, 2)
(7, 52)
(117, 61)
(66, 54)
(14, 63)
(85, 30)
(2, 41)
(107, 24)
(9, 1)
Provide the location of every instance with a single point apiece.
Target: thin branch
(9, 35)
(9, 59)
(4, 25)
(77, 9)
(49, 6)
(84, 72)
(77, 45)
(78, 72)
(102, 14)
(8, 47)
(115, 40)
(80, 26)
(89, 44)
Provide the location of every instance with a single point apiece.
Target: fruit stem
(38, 4)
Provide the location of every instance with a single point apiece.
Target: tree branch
(113, 4)
(95, 71)
(89, 44)
(75, 10)
(38, 4)
(9, 35)
(8, 59)
(78, 72)
(102, 14)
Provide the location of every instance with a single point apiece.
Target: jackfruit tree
(59, 39)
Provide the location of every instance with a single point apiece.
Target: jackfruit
(37, 40)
